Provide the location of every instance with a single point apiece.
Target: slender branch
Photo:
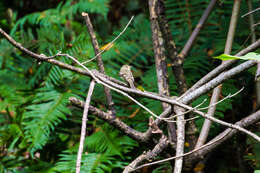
(197, 29)
(177, 60)
(99, 60)
(111, 43)
(116, 122)
(253, 39)
(197, 107)
(250, 12)
(228, 133)
(182, 155)
(205, 149)
(218, 80)
(84, 124)
(217, 91)
(149, 155)
(251, 21)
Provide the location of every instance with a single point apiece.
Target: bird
(126, 74)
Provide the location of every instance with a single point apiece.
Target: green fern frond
(90, 162)
(109, 141)
(47, 110)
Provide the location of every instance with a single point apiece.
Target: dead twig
(84, 124)
(99, 60)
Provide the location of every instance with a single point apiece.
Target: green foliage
(249, 56)
(47, 110)
(103, 148)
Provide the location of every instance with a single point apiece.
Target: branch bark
(99, 60)
(116, 122)
(228, 133)
(84, 124)
(149, 155)
(198, 153)
(156, 8)
(217, 91)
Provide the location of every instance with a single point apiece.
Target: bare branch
(162, 144)
(197, 107)
(197, 29)
(251, 21)
(205, 149)
(84, 124)
(183, 155)
(111, 43)
(217, 80)
(155, 7)
(217, 91)
(116, 122)
(250, 12)
(228, 133)
(99, 60)
(180, 139)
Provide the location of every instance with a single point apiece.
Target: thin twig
(186, 112)
(245, 122)
(111, 43)
(250, 12)
(180, 156)
(84, 124)
(227, 97)
(197, 29)
(197, 107)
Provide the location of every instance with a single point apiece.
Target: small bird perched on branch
(126, 74)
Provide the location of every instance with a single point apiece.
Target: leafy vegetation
(40, 130)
